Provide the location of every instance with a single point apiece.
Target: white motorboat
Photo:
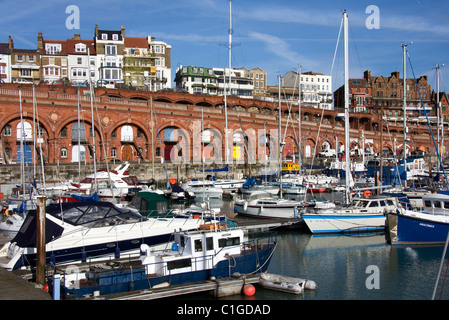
(202, 189)
(89, 230)
(362, 215)
(262, 204)
(11, 225)
(116, 183)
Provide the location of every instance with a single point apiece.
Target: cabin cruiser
(89, 230)
(361, 215)
(202, 188)
(212, 252)
(262, 204)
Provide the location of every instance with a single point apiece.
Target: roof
(71, 43)
(63, 44)
(4, 48)
(136, 43)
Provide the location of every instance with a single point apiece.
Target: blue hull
(417, 231)
(126, 280)
(85, 253)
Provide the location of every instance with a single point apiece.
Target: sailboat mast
(224, 83)
(93, 126)
(299, 117)
(404, 147)
(347, 151)
(279, 137)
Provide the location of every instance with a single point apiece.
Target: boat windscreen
(97, 215)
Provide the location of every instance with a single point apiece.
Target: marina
(198, 208)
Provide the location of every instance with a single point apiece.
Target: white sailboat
(262, 204)
(354, 216)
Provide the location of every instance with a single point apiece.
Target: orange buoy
(172, 180)
(367, 193)
(249, 290)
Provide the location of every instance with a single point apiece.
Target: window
(113, 152)
(111, 50)
(53, 48)
(25, 72)
(7, 131)
(63, 133)
(63, 153)
(79, 60)
(104, 36)
(115, 37)
(80, 47)
(19, 57)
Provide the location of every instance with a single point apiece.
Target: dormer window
(53, 48)
(80, 47)
(104, 36)
(115, 37)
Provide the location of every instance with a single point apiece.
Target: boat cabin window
(382, 203)
(427, 203)
(209, 243)
(390, 202)
(446, 204)
(198, 245)
(228, 242)
(374, 204)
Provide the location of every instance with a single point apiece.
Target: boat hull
(344, 223)
(119, 281)
(284, 212)
(416, 230)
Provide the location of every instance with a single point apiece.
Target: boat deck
(14, 287)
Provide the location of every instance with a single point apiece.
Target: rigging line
(427, 118)
(336, 47)
(394, 148)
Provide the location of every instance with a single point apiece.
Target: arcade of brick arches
(142, 126)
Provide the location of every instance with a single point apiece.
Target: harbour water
(358, 267)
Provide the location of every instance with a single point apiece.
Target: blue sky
(273, 35)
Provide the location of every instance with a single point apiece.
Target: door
(127, 153)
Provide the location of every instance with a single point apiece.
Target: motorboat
(116, 183)
(202, 189)
(212, 252)
(427, 225)
(262, 204)
(89, 230)
(11, 225)
(365, 214)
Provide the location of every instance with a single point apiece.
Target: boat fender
(245, 205)
(144, 249)
(248, 290)
(174, 247)
(117, 253)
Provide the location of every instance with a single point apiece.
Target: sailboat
(358, 215)
(261, 204)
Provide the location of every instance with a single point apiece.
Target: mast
(279, 137)
(224, 83)
(346, 93)
(93, 126)
(404, 147)
(299, 118)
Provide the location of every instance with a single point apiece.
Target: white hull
(279, 208)
(338, 223)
